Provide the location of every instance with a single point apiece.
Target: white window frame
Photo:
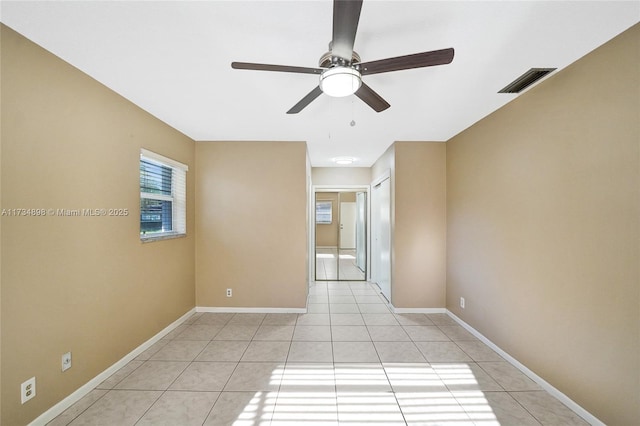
(178, 196)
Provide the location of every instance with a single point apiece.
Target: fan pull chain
(353, 120)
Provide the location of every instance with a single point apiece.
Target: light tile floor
(328, 260)
(350, 361)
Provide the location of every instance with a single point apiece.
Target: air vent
(526, 80)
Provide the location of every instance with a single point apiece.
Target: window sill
(161, 237)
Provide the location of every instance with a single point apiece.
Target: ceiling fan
(341, 70)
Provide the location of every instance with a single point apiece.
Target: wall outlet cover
(28, 390)
(66, 361)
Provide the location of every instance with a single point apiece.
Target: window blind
(162, 195)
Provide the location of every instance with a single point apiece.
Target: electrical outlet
(28, 390)
(229, 292)
(66, 361)
(462, 302)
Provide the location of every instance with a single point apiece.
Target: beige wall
(419, 240)
(251, 209)
(418, 222)
(347, 197)
(341, 175)
(0, 230)
(81, 284)
(543, 229)
(308, 219)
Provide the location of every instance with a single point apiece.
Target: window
(163, 197)
(324, 210)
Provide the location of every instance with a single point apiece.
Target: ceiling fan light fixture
(340, 81)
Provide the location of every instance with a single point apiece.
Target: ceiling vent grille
(526, 80)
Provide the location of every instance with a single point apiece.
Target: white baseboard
(61, 406)
(252, 310)
(590, 418)
(418, 310)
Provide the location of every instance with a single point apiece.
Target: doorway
(341, 235)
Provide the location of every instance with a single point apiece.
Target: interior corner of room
(532, 215)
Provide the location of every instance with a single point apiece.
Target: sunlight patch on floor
(325, 256)
(358, 394)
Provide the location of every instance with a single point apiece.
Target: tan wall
(327, 233)
(419, 262)
(0, 230)
(251, 209)
(81, 284)
(341, 175)
(418, 222)
(308, 220)
(347, 197)
(543, 229)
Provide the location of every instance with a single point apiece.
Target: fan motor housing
(328, 60)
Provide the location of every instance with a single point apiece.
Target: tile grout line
(180, 374)
(333, 361)
(232, 372)
(83, 411)
(525, 408)
(234, 369)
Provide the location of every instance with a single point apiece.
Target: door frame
(312, 221)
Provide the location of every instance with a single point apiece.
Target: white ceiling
(173, 59)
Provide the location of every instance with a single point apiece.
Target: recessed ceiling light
(343, 161)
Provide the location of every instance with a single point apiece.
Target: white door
(348, 225)
(381, 236)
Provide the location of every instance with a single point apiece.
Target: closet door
(361, 230)
(381, 236)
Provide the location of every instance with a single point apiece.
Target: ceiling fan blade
(371, 98)
(305, 101)
(346, 14)
(280, 68)
(417, 60)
